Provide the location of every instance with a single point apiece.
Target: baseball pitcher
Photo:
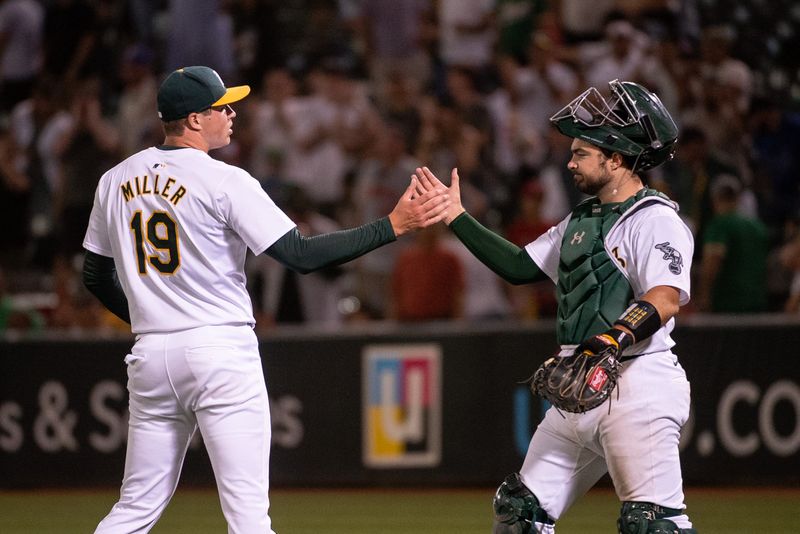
(166, 247)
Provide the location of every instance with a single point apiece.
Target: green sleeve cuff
(506, 259)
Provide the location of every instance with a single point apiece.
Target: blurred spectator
(283, 296)
(70, 38)
(143, 20)
(90, 148)
(335, 126)
(732, 273)
(660, 71)
(530, 301)
(427, 280)
(15, 191)
(76, 309)
(355, 117)
(463, 94)
(379, 180)
(787, 263)
(546, 83)
(12, 318)
(260, 39)
(447, 141)
(471, 106)
(775, 138)
(467, 34)
(329, 30)
(395, 36)
(21, 25)
(521, 106)
(484, 292)
(688, 178)
(582, 24)
(466, 83)
(400, 106)
(516, 21)
(732, 74)
(675, 20)
(557, 180)
(137, 120)
(113, 35)
(621, 54)
(37, 125)
(793, 301)
(516, 139)
(200, 33)
(270, 129)
(528, 223)
(719, 103)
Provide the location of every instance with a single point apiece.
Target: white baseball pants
(211, 378)
(636, 442)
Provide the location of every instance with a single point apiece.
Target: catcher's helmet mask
(631, 121)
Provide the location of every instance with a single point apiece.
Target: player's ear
(193, 121)
(616, 161)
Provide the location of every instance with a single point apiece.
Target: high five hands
(421, 205)
(428, 182)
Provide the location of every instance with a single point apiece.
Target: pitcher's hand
(419, 207)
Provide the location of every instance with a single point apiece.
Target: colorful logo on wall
(402, 409)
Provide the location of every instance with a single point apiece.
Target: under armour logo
(577, 238)
(674, 257)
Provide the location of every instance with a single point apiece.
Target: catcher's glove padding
(584, 380)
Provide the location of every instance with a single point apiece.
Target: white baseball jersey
(178, 224)
(651, 246)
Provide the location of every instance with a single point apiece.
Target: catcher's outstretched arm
(506, 259)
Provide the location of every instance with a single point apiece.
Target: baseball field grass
(350, 511)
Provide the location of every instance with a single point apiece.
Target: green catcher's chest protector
(592, 291)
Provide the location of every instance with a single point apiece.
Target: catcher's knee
(648, 518)
(516, 508)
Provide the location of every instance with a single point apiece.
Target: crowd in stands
(350, 96)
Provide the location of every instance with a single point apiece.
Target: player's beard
(592, 185)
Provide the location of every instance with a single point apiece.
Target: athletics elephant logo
(674, 257)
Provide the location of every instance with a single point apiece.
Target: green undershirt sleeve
(307, 254)
(100, 278)
(506, 259)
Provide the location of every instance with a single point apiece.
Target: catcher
(621, 263)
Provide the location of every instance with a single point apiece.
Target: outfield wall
(400, 405)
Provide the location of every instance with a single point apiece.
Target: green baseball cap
(194, 89)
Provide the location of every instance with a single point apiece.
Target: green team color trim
(506, 259)
(592, 290)
(307, 254)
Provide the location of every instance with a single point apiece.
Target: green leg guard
(516, 508)
(648, 518)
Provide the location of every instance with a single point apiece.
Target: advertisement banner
(402, 410)
(438, 407)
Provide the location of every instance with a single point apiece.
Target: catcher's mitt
(582, 381)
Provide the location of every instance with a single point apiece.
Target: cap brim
(233, 94)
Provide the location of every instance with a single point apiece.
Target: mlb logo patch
(597, 378)
(401, 405)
